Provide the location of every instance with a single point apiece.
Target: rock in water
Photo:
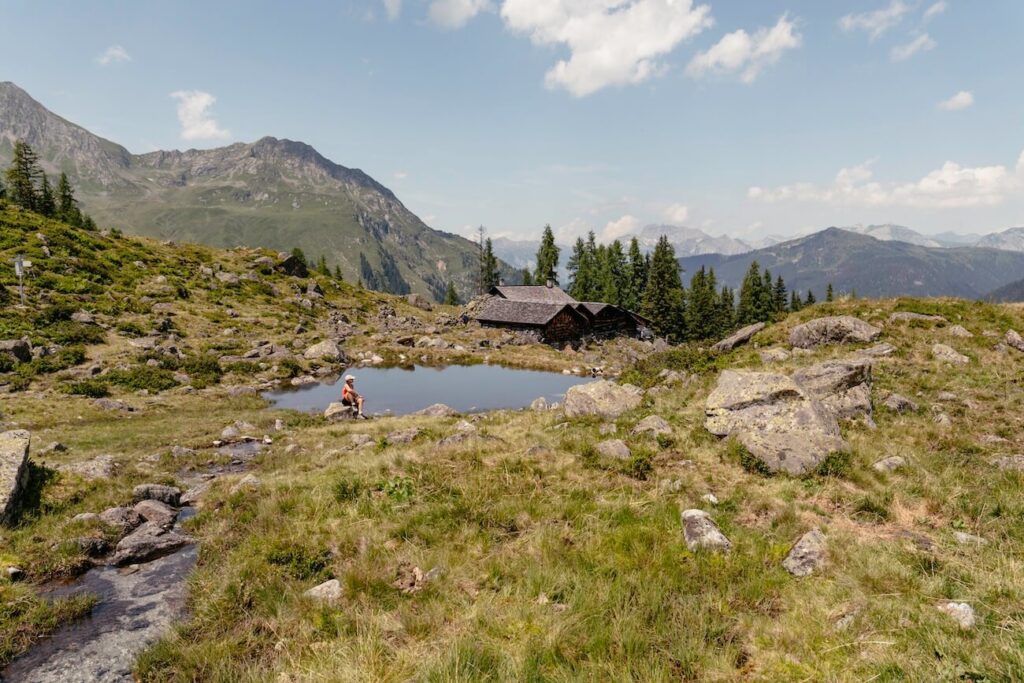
(949, 355)
(327, 592)
(807, 555)
(796, 453)
(602, 398)
(437, 410)
(842, 385)
(737, 338)
(13, 471)
(701, 532)
(763, 401)
(157, 512)
(148, 542)
(843, 329)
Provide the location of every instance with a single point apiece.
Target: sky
(735, 117)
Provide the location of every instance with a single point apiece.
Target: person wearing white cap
(350, 397)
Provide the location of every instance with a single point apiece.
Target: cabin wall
(565, 327)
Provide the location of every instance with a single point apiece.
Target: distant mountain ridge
(271, 193)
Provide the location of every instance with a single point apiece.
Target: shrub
(398, 488)
(299, 561)
(131, 329)
(737, 452)
(346, 490)
(639, 466)
(92, 388)
(143, 377)
(203, 370)
(291, 367)
(835, 464)
(70, 332)
(62, 360)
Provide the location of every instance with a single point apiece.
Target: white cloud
(950, 186)
(740, 52)
(922, 43)
(197, 123)
(677, 214)
(961, 100)
(611, 42)
(935, 10)
(877, 22)
(115, 54)
(393, 8)
(455, 13)
(617, 229)
(401, 175)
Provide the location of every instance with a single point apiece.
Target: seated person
(349, 396)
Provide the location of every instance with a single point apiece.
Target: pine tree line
(27, 186)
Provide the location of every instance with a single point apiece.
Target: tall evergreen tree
(22, 176)
(749, 309)
(46, 203)
(3, 192)
(299, 255)
(488, 266)
(527, 277)
(767, 308)
(67, 205)
(321, 266)
(795, 303)
(636, 274)
(583, 270)
(614, 275)
(780, 295)
(337, 273)
(810, 301)
(547, 258)
(828, 293)
(451, 297)
(664, 302)
(725, 313)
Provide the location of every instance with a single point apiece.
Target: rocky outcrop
(1014, 340)
(18, 350)
(796, 453)
(170, 495)
(948, 354)
(701, 532)
(807, 555)
(842, 385)
(148, 542)
(13, 471)
(843, 329)
(326, 350)
(126, 519)
(437, 410)
(602, 398)
(737, 338)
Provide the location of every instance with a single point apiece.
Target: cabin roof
(521, 312)
(533, 293)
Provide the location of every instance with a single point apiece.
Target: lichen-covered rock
(327, 592)
(170, 495)
(764, 402)
(877, 351)
(653, 425)
(404, 435)
(125, 519)
(740, 336)
(948, 354)
(148, 542)
(807, 554)
(437, 410)
(14, 471)
(100, 467)
(796, 453)
(1014, 463)
(603, 398)
(842, 385)
(890, 464)
(1014, 340)
(156, 512)
(773, 355)
(701, 532)
(614, 448)
(961, 612)
(339, 411)
(326, 350)
(419, 301)
(900, 404)
(960, 331)
(843, 329)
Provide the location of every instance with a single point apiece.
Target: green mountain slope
(271, 193)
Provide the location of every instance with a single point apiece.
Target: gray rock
(148, 542)
(17, 349)
(774, 355)
(710, 498)
(960, 331)
(540, 404)
(327, 592)
(1014, 340)
(842, 385)
(249, 482)
(906, 316)
(761, 401)
(945, 396)
(360, 440)
(1012, 463)
(614, 448)
(737, 338)
(602, 398)
(87, 517)
(900, 404)
(196, 493)
(949, 355)
(339, 411)
(170, 495)
(125, 519)
(437, 410)
(701, 532)
(226, 277)
(14, 472)
(796, 453)
(156, 512)
(653, 425)
(877, 351)
(326, 350)
(961, 612)
(844, 329)
(968, 539)
(100, 467)
(404, 435)
(807, 555)
(113, 404)
(890, 464)
(943, 420)
(419, 301)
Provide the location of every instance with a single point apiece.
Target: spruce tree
(3, 192)
(828, 292)
(526, 277)
(614, 274)
(725, 314)
(663, 301)
(299, 255)
(636, 274)
(780, 295)
(767, 308)
(795, 304)
(451, 297)
(321, 266)
(67, 205)
(547, 258)
(702, 307)
(810, 298)
(337, 273)
(749, 308)
(489, 266)
(89, 224)
(46, 204)
(583, 269)
(22, 176)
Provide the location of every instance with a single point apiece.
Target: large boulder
(842, 329)
(16, 349)
(796, 453)
(339, 411)
(741, 336)
(419, 301)
(156, 512)
(171, 495)
(701, 532)
(745, 401)
(13, 471)
(603, 398)
(126, 519)
(148, 542)
(842, 385)
(325, 350)
(614, 448)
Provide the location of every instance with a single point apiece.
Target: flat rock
(701, 532)
(842, 385)
(764, 402)
(404, 435)
(148, 542)
(170, 495)
(614, 448)
(653, 425)
(100, 467)
(948, 354)
(1014, 340)
(437, 410)
(603, 398)
(877, 351)
(890, 464)
(968, 539)
(774, 355)
(960, 331)
(843, 329)
(807, 554)
(325, 350)
(124, 518)
(796, 453)
(737, 338)
(327, 592)
(339, 411)
(900, 404)
(907, 316)
(14, 471)
(961, 612)
(156, 512)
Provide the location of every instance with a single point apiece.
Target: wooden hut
(553, 322)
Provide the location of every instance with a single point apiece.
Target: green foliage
(91, 388)
(61, 360)
(451, 297)
(70, 332)
(547, 258)
(640, 465)
(299, 561)
(836, 464)
(143, 377)
(489, 275)
(663, 301)
(347, 490)
(397, 488)
(290, 367)
(686, 358)
(131, 329)
(737, 452)
(203, 371)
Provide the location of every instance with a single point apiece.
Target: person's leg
(359, 403)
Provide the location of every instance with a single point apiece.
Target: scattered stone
(906, 316)
(409, 578)
(993, 439)
(943, 420)
(947, 396)
(113, 404)
(14, 471)
(181, 452)
(807, 555)
(55, 447)
(968, 539)
(652, 425)
(1014, 340)
(437, 410)
(900, 404)
(464, 426)
(170, 495)
(148, 542)
(87, 517)
(710, 498)
(100, 467)
(249, 482)
(1013, 463)
(540, 404)
(226, 277)
(360, 440)
(890, 464)
(842, 385)
(701, 532)
(877, 351)
(949, 355)
(125, 519)
(961, 332)
(156, 512)
(737, 338)
(961, 612)
(194, 494)
(774, 355)
(603, 398)
(326, 350)
(614, 448)
(404, 435)
(327, 592)
(607, 428)
(670, 377)
(844, 329)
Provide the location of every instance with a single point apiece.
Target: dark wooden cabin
(553, 322)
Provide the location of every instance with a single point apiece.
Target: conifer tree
(89, 224)
(299, 255)
(810, 298)
(46, 204)
(766, 311)
(527, 277)
(22, 176)
(583, 270)
(451, 297)
(614, 274)
(828, 293)
(749, 309)
(337, 273)
(321, 266)
(702, 320)
(488, 266)
(636, 276)
(663, 301)
(795, 304)
(67, 205)
(725, 314)
(3, 192)
(547, 258)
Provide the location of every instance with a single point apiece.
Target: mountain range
(270, 193)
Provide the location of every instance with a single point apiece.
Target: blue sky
(747, 118)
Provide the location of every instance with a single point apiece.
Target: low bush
(143, 377)
(91, 388)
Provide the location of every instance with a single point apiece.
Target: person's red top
(347, 393)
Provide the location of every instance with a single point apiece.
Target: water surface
(466, 388)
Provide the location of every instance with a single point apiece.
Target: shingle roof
(594, 307)
(535, 293)
(520, 312)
